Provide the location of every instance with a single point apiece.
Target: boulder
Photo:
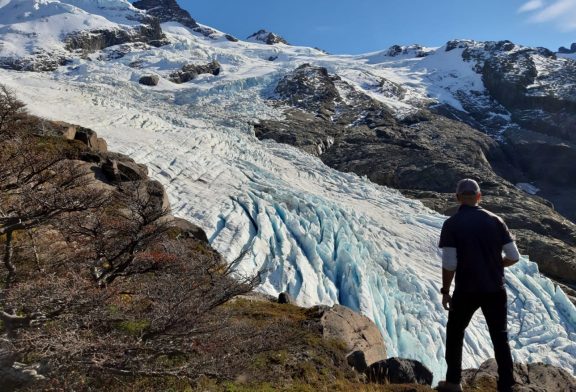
(285, 298)
(399, 371)
(190, 71)
(14, 375)
(356, 331)
(188, 229)
(529, 377)
(124, 169)
(157, 195)
(90, 139)
(357, 361)
(149, 80)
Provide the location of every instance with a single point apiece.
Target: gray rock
(356, 331)
(536, 377)
(285, 298)
(399, 371)
(190, 71)
(149, 80)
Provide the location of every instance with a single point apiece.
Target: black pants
(495, 308)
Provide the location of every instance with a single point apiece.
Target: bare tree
(38, 184)
(11, 110)
(120, 287)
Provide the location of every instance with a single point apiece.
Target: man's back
(478, 236)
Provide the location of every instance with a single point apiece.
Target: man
(472, 242)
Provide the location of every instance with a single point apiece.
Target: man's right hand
(446, 301)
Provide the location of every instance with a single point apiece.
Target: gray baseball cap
(468, 186)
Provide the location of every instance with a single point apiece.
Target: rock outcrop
(533, 377)
(167, 11)
(191, 71)
(170, 11)
(565, 50)
(357, 332)
(267, 38)
(397, 50)
(40, 62)
(89, 41)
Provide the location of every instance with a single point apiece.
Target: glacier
(324, 236)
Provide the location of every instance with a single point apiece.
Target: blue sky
(359, 26)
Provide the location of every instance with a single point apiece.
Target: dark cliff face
(167, 11)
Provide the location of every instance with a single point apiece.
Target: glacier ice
(324, 236)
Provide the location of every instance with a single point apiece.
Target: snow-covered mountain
(323, 235)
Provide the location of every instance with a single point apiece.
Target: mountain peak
(167, 11)
(267, 38)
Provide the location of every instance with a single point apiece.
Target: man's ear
(458, 197)
(478, 197)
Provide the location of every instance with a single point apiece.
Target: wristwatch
(444, 291)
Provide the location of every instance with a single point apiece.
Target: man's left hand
(446, 301)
